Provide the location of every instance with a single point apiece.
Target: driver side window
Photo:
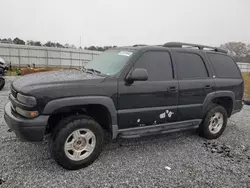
(158, 65)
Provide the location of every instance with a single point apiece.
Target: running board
(159, 129)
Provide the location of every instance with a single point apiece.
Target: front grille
(13, 92)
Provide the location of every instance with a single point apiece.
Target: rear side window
(190, 66)
(158, 65)
(224, 66)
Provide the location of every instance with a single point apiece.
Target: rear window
(224, 66)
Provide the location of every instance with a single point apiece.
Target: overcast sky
(117, 22)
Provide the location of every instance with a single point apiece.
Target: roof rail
(200, 47)
(136, 45)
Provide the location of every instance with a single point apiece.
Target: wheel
(214, 122)
(2, 83)
(76, 142)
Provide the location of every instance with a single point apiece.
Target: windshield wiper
(95, 72)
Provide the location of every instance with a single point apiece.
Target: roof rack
(188, 45)
(136, 45)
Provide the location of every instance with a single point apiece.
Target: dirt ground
(26, 70)
(246, 77)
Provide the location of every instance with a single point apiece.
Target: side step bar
(159, 129)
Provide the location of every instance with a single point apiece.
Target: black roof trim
(136, 45)
(199, 46)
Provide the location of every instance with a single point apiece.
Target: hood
(51, 78)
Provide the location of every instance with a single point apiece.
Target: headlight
(26, 99)
(25, 113)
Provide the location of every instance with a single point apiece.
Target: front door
(149, 102)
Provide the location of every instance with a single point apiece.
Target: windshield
(109, 62)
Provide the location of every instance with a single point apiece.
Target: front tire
(214, 122)
(77, 142)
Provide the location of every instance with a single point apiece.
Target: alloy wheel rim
(216, 123)
(80, 144)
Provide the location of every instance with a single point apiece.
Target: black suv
(128, 92)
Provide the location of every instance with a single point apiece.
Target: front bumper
(26, 129)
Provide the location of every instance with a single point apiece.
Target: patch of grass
(246, 77)
(26, 70)
(10, 73)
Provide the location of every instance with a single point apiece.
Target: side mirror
(138, 75)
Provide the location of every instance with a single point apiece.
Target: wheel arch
(92, 106)
(223, 98)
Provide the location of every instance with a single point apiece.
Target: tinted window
(224, 66)
(158, 65)
(190, 66)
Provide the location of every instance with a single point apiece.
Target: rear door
(194, 84)
(153, 101)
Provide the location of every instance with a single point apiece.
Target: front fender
(74, 101)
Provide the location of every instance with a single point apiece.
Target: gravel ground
(171, 160)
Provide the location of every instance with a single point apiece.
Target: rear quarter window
(224, 66)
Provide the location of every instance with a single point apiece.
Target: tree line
(239, 50)
(51, 44)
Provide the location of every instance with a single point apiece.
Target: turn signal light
(25, 113)
(33, 114)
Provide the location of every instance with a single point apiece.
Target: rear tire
(76, 142)
(2, 83)
(214, 122)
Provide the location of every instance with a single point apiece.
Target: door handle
(207, 87)
(172, 89)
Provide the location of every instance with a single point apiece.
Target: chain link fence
(21, 55)
(244, 67)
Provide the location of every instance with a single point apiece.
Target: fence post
(60, 57)
(19, 58)
(79, 58)
(47, 57)
(9, 54)
(70, 59)
(28, 55)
